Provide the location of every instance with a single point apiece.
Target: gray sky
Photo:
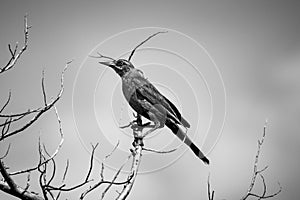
(255, 45)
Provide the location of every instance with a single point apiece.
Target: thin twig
(41, 111)
(6, 103)
(14, 55)
(6, 153)
(136, 160)
(22, 113)
(43, 88)
(259, 172)
(101, 56)
(209, 193)
(143, 42)
(112, 182)
(62, 188)
(159, 152)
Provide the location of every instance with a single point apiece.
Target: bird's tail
(182, 136)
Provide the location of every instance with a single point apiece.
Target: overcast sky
(248, 52)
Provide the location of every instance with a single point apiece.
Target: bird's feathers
(146, 100)
(147, 91)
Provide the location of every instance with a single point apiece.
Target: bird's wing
(145, 90)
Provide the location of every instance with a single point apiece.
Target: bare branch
(137, 156)
(43, 88)
(41, 111)
(21, 114)
(14, 55)
(27, 183)
(91, 162)
(209, 193)
(6, 126)
(10, 187)
(7, 102)
(114, 149)
(112, 182)
(49, 188)
(259, 172)
(6, 153)
(51, 157)
(160, 152)
(66, 171)
(101, 56)
(143, 42)
(7, 178)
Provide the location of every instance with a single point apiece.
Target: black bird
(148, 102)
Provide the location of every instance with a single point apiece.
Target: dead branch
(136, 152)
(159, 152)
(10, 187)
(260, 173)
(99, 55)
(13, 52)
(38, 112)
(49, 188)
(7, 102)
(210, 194)
(143, 42)
(256, 173)
(103, 181)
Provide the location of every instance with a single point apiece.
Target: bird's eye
(120, 63)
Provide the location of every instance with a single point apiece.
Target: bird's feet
(137, 121)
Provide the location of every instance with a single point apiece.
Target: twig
(50, 156)
(209, 193)
(66, 170)
(101, 56)
(21, 114)
(10, 187)
(112, 182)
(43, 88)
(102, 181)
(6, 153)
(62, 188)
(259, 172)
(6, 103)
(143, 42)
(137, 156)
(160, 152)
(14, 55)
(41, 111)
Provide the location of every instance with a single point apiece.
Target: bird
(149, 102)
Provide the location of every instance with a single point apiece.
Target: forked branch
(14, 56)
(143, 42)
(256, 172)
(11, 118)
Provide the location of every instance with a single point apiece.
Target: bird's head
(121, 66)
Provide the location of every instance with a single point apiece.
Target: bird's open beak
(109, 63)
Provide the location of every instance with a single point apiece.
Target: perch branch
(137, 156)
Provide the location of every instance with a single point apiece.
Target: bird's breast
(128, 88)
(131, 82)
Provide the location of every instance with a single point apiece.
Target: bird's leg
(140, 122)
(137, 120)
(156, 126)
